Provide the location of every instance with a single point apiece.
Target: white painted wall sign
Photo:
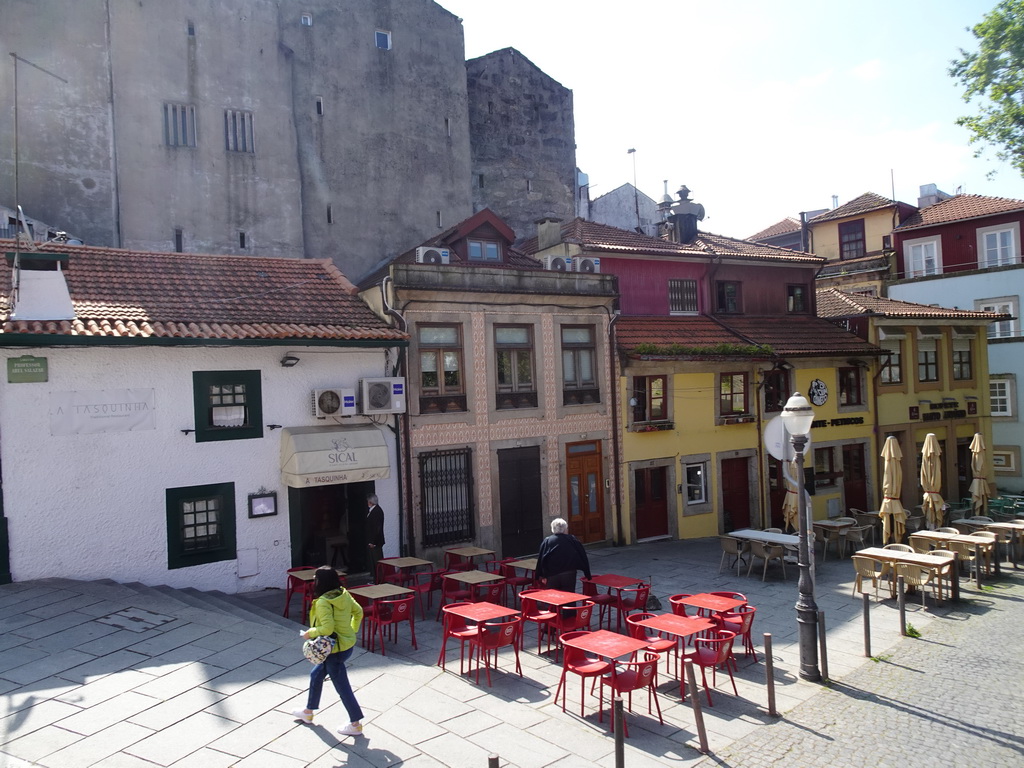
(109, 410)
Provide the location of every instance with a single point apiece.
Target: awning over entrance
(331, 455)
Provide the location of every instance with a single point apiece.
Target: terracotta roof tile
(594, 237)
(958, 208)
(836, 304)
(784, 227)
(122, 293)
(794, 336)
(866, 203)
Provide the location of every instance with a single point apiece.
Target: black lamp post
(798, 415)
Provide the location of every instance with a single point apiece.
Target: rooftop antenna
(17, 202)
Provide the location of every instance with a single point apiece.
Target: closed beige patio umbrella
(931, 481)
(791, 505)
(894, 517)
(979, 486)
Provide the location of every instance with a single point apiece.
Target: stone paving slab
(207, 689)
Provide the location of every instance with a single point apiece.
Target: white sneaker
(352, 729)
(303, 715)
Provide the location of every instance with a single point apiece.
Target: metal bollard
(867, 624)
(977, 566)
(954, 579)
(698, 713)
(492, 761)
(901, 597)
(769, 673)
(620, 745)
(823, 646)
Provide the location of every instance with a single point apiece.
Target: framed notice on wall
(263, 504)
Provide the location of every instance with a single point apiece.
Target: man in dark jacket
(560, 556)
(374, 533)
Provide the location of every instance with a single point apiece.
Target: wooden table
(307, 574)
(935, 562)
(406, 562)
(482, 611)
(473, 577)
(610, 645)
(380, 591)
(470, 552)
(526, 564)
(713, 603)
(680, 626)
(1016, 531)
(980, 542)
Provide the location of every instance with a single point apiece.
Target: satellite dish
(777, 441)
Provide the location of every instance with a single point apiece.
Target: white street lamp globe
(797, 415)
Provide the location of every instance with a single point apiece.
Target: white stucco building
(160, 427)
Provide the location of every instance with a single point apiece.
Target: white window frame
(701, 486)
(306, 19)
(915, 270)
(1004, 405)
(1001, 329)
(386, 33)
(1012, 254)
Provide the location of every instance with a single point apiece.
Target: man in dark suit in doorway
(374, 533)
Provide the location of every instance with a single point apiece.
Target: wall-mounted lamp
(632, 402)
(289, 361)
(782, 365)
(273, 426)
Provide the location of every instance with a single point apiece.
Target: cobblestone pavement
(951, 697)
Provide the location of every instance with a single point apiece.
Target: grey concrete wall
(618, 208)
(523, 139)
(93, 159)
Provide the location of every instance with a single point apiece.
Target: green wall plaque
(26, 369)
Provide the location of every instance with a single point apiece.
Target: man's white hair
(559, 525)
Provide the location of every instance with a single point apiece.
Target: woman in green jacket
(334, 612)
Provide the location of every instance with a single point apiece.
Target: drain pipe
(404, 450)
(613, 357)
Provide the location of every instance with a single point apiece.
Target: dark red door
(855, 481)
(650, 502)
(736, 493)
(776, 492)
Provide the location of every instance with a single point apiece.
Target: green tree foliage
(994, 74)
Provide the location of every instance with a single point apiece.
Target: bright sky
(763, 109)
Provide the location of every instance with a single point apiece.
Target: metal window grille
(200, 524)
(446, 496)
(682, 295)
(238, 131)
(179, 125)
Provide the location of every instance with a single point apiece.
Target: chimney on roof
(665, 206)
(684, 217)
(930, 194)
(39, 290)
(549, 232)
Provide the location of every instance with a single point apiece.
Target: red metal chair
(457, 628)
(569, 618)
(300, 586)
(579, 663)
(454, 562)
(494, 635)
(369, 609)
(629, 600)
(533, 612)
(391, 574)
(713, 652)
(425, 583)
(741, 621)
(489, 592)
(630, 676)
(733, 595)
(388, 614)
(655, 642)
(605, 601)
(513, 582)
(677, 604)
(453, 591)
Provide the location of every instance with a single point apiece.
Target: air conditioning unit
(558, 263)
(382, 396)
(431, 255)
(336, 401)
(588, 264)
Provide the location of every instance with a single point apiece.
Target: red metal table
(556, 597)
(713, 603)
(680, 626)
(482, 611)
(614, 581)
(610, 645)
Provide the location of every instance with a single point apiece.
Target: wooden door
(650, 502)
(736, 493)
(776, 492)
(855, 481)
(584, 480)
(521, 506)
